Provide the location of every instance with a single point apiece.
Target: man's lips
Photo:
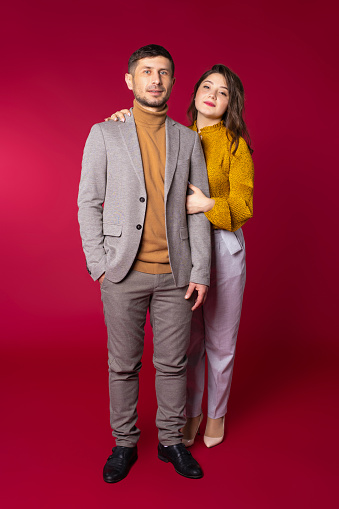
(155, 91)
(209, 104)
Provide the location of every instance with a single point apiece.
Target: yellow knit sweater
(230, 178)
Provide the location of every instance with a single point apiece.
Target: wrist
(209, 205)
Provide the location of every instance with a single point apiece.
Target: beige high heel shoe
(212, 441)
(188, 442)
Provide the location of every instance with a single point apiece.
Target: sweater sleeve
(232, 212)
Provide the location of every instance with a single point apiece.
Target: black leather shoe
(182, 460)
(119, 463)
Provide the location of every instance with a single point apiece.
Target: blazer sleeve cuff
(200, 278)
(96, 270)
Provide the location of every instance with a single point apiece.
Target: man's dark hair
(149, 51)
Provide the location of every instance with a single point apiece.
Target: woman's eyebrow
(209, 81)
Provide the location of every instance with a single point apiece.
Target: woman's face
(212, 97)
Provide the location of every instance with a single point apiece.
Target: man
(145, 254)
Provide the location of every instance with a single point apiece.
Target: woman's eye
(206, 86)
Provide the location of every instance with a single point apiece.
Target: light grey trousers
(215, 325)
(125, 307)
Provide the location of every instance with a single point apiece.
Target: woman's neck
(203, 121)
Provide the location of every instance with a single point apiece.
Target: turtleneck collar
(147, 117)
(209, 128)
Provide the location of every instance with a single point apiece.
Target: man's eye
(164, 73)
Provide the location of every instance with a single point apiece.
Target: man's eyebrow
(209, 81)
(150, 67)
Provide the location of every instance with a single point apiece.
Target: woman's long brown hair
(232, 117)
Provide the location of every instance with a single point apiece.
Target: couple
(148, 254)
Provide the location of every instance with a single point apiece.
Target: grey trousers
(214, 329)
(125, 308)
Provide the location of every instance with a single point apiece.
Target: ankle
(191, 427)
(215, 427)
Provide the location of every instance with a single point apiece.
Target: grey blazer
(112, 202)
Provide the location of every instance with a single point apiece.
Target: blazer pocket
(114, 230)
(184, 233)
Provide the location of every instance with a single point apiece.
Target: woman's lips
(209, 104)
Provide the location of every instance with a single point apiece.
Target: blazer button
(139, 226)
(142, 199)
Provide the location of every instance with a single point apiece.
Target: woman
(216, 113)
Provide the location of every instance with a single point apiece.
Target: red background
(62, 71)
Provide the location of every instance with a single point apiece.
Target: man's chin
(155, 102)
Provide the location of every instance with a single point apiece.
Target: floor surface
(280, 450)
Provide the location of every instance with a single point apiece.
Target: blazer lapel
(172, 151)
(130, 137)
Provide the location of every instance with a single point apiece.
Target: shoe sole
(129, 468)
(166, 460)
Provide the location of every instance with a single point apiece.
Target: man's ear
(173, 81)
(129, 80)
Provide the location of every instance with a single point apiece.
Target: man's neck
(148, 117)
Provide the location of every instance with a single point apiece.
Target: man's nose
(156, 78)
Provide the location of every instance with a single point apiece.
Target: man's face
(151, 82)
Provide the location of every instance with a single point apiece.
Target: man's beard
(152, 103)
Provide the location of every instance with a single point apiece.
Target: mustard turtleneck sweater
(230, 178)
(152, 256)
